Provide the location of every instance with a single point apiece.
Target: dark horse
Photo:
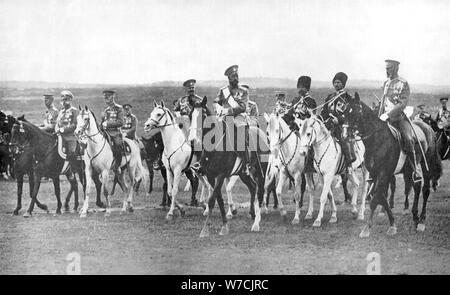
(151, 153)
(42, 148)
(382, 157)
(219, 163)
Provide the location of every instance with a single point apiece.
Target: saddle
(62, 149)
(126, 149)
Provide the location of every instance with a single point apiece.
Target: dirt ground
(144, 243)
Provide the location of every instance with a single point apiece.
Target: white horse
(328, 162)
(177, 156)
(98, 158)
(288, 159)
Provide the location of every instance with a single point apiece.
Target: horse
(98, 159)
(329, 161)
(221, 163)
(152, 153)
(385, 158)
(39, 157)
(177, 155)
(284, 146)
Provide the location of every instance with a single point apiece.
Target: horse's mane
(36, 129)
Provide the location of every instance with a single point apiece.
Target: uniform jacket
(329, 108)
(129, 125)
(50, 118)
(113, 116)
(443, 117)
(395, 98)
(235, 100)
(67, 119)
(281, 107)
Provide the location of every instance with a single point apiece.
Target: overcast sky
(114, 41)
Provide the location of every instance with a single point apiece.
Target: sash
(229, 98)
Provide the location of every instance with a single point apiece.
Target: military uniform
(234, 101)
(114, 117)
(129, 126)
(395, 99)
(331, 110)
(443, 119)
(51, 114)
(184, 105)
(66, 123)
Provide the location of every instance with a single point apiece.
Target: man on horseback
(281, 105)
(50, 114)
(65, 125)
(394, 101)
(334, 118)
(184, 105)
(112, 120)
(129, 122)
(443, 117)
(303, 105)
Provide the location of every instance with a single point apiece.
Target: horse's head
(20, 136)
(86, 124)
(199, 112)
(312, 132)
(159, 117)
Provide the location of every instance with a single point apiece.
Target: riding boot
(416, 175)
(116, 162)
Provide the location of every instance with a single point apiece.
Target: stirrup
(416, 177)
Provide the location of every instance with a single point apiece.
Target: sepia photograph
(217, 138)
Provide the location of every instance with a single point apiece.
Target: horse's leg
(345, 177)
(425, 195)
(174, 181)
(37, 184)
(105, 176)
(98, 191)
(19, 180)
(327, 180)
(282, 179)
(211, 202)
(89, 179)
(254, 202)
(297, 184)
(56, 185)
(355, 183)
(408, 185)
(415, 208)
(151, 174)
(224, 230)
(194, 181)
(132, 173)
(310, 182)
(393, 186)
(122, 184)
(228, 187)
(362, 208)
(302, 189)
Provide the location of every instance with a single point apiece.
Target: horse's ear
(85, 107)
(357, 96)
(154, 103)
(162, 104)
(79, 107)
(204, 100)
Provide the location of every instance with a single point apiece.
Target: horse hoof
(204, 233)
(333, 219)
(130, 209)
(365, 233)
(83, 215)
(182, 212)
(107, 213)
(265, 211)
(224, 230)
(100, 205)
(58, 212)
(27, 215)
(15, 213)
(421, 227)
(295, 221)
(169, 217)
(66, 209)
(205, 213)
(392, 231)
(308, 217)
(229, 216)
(255, 227)
(360, 217)
(317, 223)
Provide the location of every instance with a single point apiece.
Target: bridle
(165, 112)
(82, 132)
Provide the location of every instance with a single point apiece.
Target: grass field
(143, 242)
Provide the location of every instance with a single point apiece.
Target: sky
(144, 41)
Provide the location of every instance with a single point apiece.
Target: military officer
(252, 108)
(281, 105)
(395, 98)
(65, 125)
(184, 105)
(50, 114)
(443, 116)
(130, 122)
(111, 122)
(421, 114)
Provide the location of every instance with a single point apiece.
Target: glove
(384, 117)
(104, 124)
(61, 130)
